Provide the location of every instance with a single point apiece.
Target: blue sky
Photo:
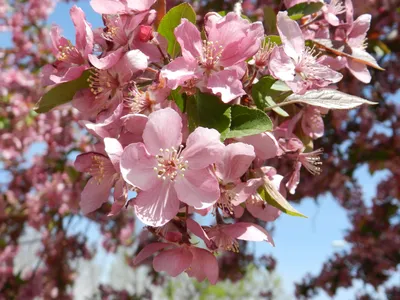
(302, 245)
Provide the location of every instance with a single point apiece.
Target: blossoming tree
(216, 114)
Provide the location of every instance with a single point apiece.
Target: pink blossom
(106, 125)
(196, 262)
(167, 172)
(145, 102)
(108, 88)
(215, 64)
(114, 7)
(354, 34)
(261, 209)
(265, 145)
(71, 60)
(312, 123)
(105, 175)
(294, 148)
(225, 236)
(121, 30)
(331, 10)
(236, 159)
(294, 63)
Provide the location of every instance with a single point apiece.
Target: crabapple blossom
(294, 63)
(217, 63)
(192, 130)
(105, 175)
(166, 172)
(71, 60)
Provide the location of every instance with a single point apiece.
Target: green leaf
(178, 99)
(303, 9)
(208, 111)
(61, 93)
(269, 20)
(271, 195)
(170, 21)
(4, 123)
(263, 94)
(273, 39)
(247, 121)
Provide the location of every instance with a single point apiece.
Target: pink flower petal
(188, 36)
(246, 189)
(141, 5)
(291, 36)
(86, 103)
(238, 211)
(198, 188)
(332, 19)
(163, 130)
(196, 229)
(248, 232)
(95, 129)
(203, 147)
(120, 197)
(280, 65)
(359, 71)
(137, 166)
(358, 33)
(71, 74)
(335, 63)
(158, 205)
(135, 123)
(312, 123)
(91, 162)
(132, 62)
(204, 265)
(107, 125)
(235, 161)
(95, 194)
(84, 33)
(109, 7)
(238, 38)
(227, 84)
(349, 11)
(107, 61)
(262, 210)
(114, 151)
(178, 71)
(294, 179)
(148, 250)
(265, 145)
(173, 261)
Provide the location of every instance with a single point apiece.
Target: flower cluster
(192, 120)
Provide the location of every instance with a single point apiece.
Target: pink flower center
(211, 55)
(262, 56)
(311, 161)
(115, 30)
(70, 54)
(226, 198)
(170, 163)
(100, 167)
(222, 240)
(138, 101)
(101, 83)
(305, 68)
(336, 7)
